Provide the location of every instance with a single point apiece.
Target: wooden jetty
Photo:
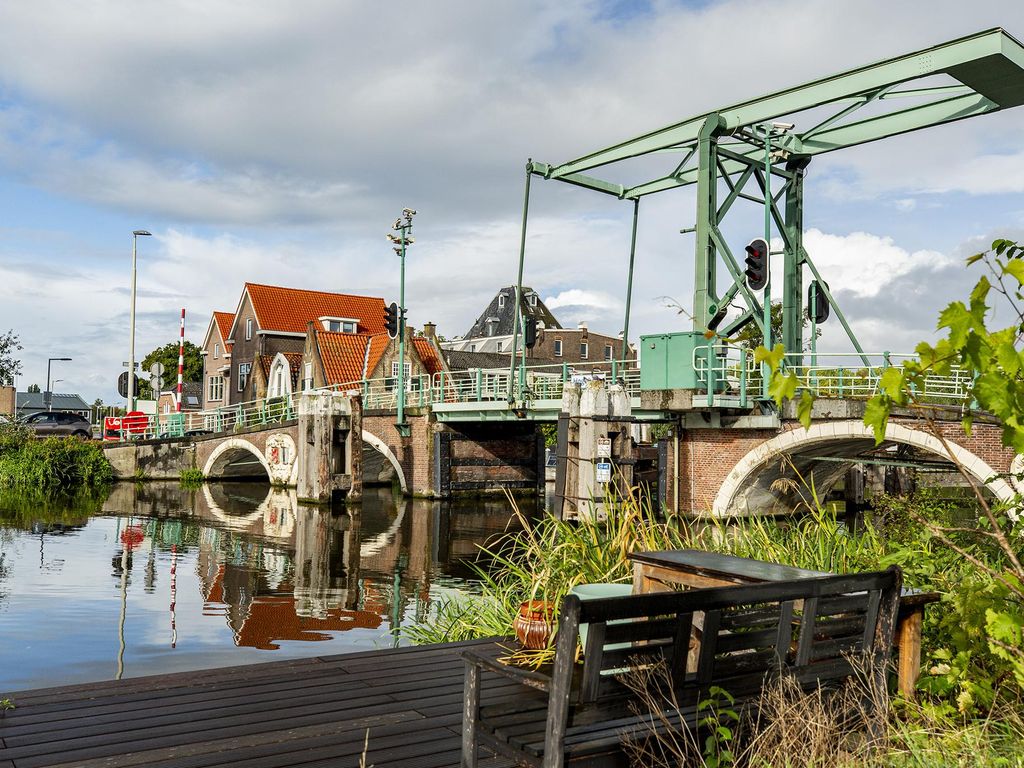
(300, 712)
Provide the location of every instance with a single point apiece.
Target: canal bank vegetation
(971, 692)
(50, 465)
(192, 478)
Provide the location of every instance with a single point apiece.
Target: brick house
(334, 359)
(272, 320)
(216, 352)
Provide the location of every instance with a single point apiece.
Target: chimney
(429, 330)
(582, 325)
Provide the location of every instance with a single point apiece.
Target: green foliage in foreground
(964, 673)
(54, 464)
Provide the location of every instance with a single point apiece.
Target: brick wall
(414, 453)
(485, 457)
(708, 456)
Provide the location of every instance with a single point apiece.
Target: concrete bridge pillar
(596, 451)
(329, 447)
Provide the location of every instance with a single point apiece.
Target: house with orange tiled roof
(266, 337)
(216, 352)
(335, 359)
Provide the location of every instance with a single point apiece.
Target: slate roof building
(492, 334)
(27, 403)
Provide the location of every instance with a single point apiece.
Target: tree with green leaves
(750, 335)
(34, 389)
(10, 366)
(991, 362)
(167, 355)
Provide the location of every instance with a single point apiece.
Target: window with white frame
(584, 350)
(216, 350)
(501, 300)
(558, 347)
(334, 326)
(248, 329)
(533, 299)
(348, 327)
(408, 374)
(307, 377)
(607, 351)
(215, 388)
(243, 375)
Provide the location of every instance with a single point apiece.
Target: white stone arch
(382, 448)
(831, 432)
(279, 381)
(234, 444)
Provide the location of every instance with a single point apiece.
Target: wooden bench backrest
(808, 626)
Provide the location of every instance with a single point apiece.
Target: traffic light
(757, 264)
(391, 319)
(817, 303)
(530, 332)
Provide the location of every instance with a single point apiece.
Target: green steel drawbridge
(770, 141)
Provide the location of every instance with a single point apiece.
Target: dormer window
(340, 324)
(532, 298)
(501, 300)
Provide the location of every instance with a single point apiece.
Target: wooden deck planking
(309, 712)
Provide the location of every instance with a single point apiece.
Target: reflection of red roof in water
(272, 618)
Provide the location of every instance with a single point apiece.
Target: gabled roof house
(271, 320)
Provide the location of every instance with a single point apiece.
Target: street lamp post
(403, 225)
(136, 234)
(48, 395)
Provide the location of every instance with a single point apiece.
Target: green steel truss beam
(989, 65)
(729, 148)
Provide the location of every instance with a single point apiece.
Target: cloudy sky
(276, 142)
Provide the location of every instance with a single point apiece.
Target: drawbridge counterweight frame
(729, 147)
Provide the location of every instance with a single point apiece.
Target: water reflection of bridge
(277, 570)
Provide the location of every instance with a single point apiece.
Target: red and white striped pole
(181, 356)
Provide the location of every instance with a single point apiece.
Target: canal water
(154, 578)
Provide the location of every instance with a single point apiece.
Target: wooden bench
(695, 568)
(578, 713)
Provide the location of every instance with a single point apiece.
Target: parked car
(57, 423)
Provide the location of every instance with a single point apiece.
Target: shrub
(52, 464)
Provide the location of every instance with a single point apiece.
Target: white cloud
(863, 264)
(275, 143)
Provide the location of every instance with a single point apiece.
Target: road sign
(604, 472)
(122, 384)
(157, 369)
(604, 447)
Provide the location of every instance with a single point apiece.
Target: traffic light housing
(817, 303)
(757, 264)
(391, 319)
(530, 332)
